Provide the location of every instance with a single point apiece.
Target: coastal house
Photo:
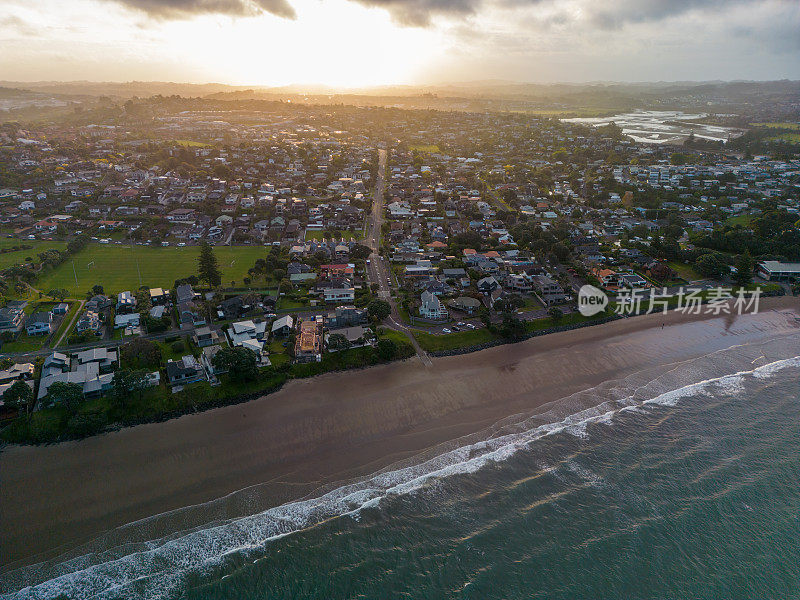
(184, 371)
(282, 326)
(432, 308)
(308, 345)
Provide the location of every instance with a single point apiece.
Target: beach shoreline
(331, 427)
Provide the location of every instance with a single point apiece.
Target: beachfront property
(251, 335)
(89, 369)
(308, 345)
(282, 326)
(356, 336)
(16, 372)
(432, 308)
(184, 371)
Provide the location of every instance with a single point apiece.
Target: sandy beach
(331, 428)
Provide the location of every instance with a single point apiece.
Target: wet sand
(331, 428)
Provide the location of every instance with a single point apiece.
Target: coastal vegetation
(131, 403)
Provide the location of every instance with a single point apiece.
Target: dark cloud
(418, 13)
(615, 14)
(171, 9)
(603, 14)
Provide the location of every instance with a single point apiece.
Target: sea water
(683, 482)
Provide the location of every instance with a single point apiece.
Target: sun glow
(332, 42)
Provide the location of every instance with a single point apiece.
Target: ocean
(679, 482)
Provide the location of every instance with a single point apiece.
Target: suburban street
(377, 270)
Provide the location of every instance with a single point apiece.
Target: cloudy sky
(374, 42)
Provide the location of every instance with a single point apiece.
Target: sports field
(120, 268)
(18, 256)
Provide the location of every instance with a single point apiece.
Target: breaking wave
(158, 568)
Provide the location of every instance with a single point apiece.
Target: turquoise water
(680, 482)
(699, 500)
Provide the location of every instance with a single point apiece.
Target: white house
(432, 307)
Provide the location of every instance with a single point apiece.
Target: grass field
(743, 220)
(118, 268)
(791, 138)
(462, 339)
(431, 148)
(793, 126)
(192, 144)
(315, 234)
(685, 271)
(15, 257)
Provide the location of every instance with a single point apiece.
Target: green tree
(207, 266)
(241, 363)
(379, 309)
(125, 383)
(336, 341)
(711, 265)
(140, 353)
(19, 396)
(68, 395)
(744, 269)
(555, 313)
(387, 349)
(58, 294)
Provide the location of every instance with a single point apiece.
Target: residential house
(432, 308)
(283, 326)
(39, 323)
(184, 371)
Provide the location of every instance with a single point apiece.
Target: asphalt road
(378, 270)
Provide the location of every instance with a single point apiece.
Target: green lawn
(791, 138)
(793, 126)
(431, 148)
(315, 234)
(192, 144)
(743, 220)
(15, 257)
(685, 271)
(462, 339)
(118, 268)
(24, 343)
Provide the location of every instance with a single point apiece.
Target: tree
(140, 352)
(241, 363)
(387, 349)
(126, 382)
(58, 294)
(555, 313)
(67, 394)
(360, 252)
(207, 266)
(744, 269)
(336, 342)
(97, 290)
(379, 309)
(19, 396)
(711, 265)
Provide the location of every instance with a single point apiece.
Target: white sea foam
(157, 568)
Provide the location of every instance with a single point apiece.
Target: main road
(377, 270)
